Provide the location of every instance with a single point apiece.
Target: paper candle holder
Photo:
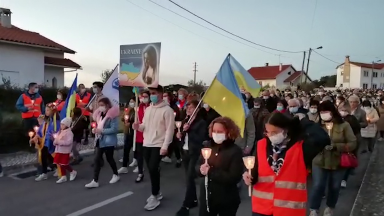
(30, 134)
(93, 125)
(249, 162)
(329, 125)
(178, 124)
(206, 152)
(36, 129)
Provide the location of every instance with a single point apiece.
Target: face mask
(95, 90)
(293, 109)
(154, 98)
(337, 102)
(145, 100)
(265, 97)
(363, 99)
(295, 96)
(181, 97)
(367, 109)
(102, 109)
(279, 108)
(218, 137)
(343, 113)
(326, 116)
(313, 110)
(277, 138)
(321, 93)
(82, 91)
(257, 106)
(165, 99)
(247, 96)
(206, 106)
(36, 90)
(272, 95)
(59, 97)
(132, 104)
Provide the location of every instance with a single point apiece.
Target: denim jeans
(322, 177)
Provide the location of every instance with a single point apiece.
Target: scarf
(100, 124)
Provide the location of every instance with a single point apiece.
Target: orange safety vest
(284, 194)
(59, 105)
(36, 112)
(85, 100)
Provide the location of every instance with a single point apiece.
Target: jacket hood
(160, 105)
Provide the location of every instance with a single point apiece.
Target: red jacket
(140, 112)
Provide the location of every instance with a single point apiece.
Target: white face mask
(95, 90)
(59, 97)
(145, 100)
(277, 138)
(265, 97)
(206, 106)
(272, 95)
(257, 106)
(367, 109)
(326, 116)
(218, 137)
(313, 110)
(132, 104)
(102, 108)
(343, 113)
(36, 90)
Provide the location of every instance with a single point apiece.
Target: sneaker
(92, 184)
(72, 175)
(166, 160)
(123, 170)
(134, 163)
(62, 180)
(115, 178)
(184, 211)
(136, 170)
(380, 139)
(343, 184)
(152, 203)
(55, 174)
(158, 197)
(139, 178)
(41, 177)
(313, 213)
(328, 212)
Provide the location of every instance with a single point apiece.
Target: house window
(381, 74)
(374, 86)
(261, 83)
(54, 82)
(374, 74)
(366, 73)
(365, 85)
(342, 72)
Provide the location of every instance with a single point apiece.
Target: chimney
(5, 17)
(280, 66)
(347, 58)
(266, 64)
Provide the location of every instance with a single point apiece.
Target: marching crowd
(291, 134)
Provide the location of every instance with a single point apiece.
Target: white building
(278, 76)
(360, 75)
(27, 56)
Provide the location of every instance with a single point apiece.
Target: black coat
(226, 169)
(197, 134)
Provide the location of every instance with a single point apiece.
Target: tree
(326, 81)
(105, 75)
(197, 87)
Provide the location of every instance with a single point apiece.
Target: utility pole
(306, 72)
(194, 73)
(302, 67)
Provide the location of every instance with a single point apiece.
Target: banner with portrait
(139, 65)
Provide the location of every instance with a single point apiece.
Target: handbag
(348, 159)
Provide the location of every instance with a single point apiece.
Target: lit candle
(36, 129)
(30, 134)
(206, 152)
(54, 135)
(126, 109)
(54, 104)
(33, 102)
(81, 101)
(93, 125)
(249, 163)
(178, 125)
(126, 117)
(174, 113)
(329, 126)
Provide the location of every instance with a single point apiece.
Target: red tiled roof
(267, 72)
(61, 62)
(17, 35)
(377, 66)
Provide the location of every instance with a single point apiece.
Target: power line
(326, 57)
(235, 35)
(209, 28)
(313, 21)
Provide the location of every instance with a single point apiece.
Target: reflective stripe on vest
(284, 194)
(36, 112)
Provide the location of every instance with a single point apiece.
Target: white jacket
(371, 130)
(158, 126)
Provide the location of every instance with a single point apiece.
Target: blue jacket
(20, 102)
(109, 134)
(48, 142)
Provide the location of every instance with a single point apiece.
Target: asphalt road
(25, 197)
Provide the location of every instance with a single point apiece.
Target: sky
(95, 29)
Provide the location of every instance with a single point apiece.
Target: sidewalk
(23, 160)
(369, 200)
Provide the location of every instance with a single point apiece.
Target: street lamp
(373, 66)
(309, 57)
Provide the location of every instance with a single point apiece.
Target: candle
(249, 163)
(54, 104)
(174, 113)
(33, 102)
(206, 152)
(126, 109)
(126, 117)
(81, 101)
(329, 126)
(30, 134)
(178, 124)
(36, 129)
(54, 135)
(93, 125)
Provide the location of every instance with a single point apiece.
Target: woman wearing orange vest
(60, 102)
(279, 177)
(82, 99)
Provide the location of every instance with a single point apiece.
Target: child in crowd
(79, 124)
(40, 121)
(63, 143)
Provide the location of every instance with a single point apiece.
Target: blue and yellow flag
(244, 78)
(70, 102)
(224, 96)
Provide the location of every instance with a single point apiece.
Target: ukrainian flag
(70, 102)
(224, 96)
(244, 79)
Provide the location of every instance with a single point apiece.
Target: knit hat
(67, 122)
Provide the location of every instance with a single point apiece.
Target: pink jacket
(64, 141)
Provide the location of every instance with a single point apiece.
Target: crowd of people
(291, 134)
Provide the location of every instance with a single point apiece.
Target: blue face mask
(293, 109)
(154, 98)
